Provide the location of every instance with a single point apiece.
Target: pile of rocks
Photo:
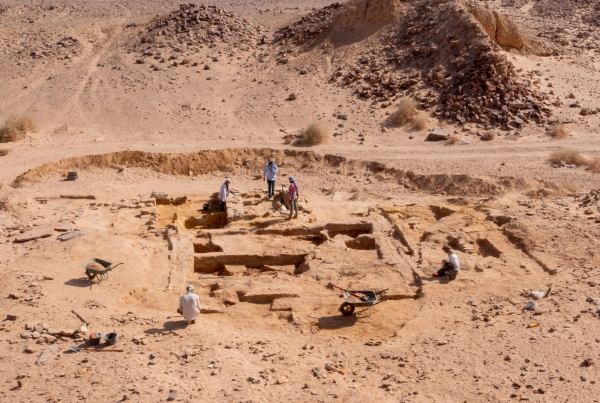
(590, 199)
(593, 17)
(183, 32)
(310, 26)
(63, 49)
(490, 92)
(442, 56)
(42, 333)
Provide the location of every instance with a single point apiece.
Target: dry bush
(568, 157)
(570, 188)
(355, 193)
(306, 164)
(315, 133)
(288, 140)
(420, 121)
(558, 131)
(452, 140)
(331, 190)
(4, 204)
(407, 110)
(488, 135)
(15, 128)
(595, 165)
(4, 151)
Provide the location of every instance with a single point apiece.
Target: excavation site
(369, 200)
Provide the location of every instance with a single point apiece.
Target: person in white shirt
(270, 174)
(223, 193)
(451, 266)
(189, 305)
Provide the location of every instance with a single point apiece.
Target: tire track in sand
(75, 101)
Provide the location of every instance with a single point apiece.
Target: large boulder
(35, 234)
(437, 135)
(508, 32)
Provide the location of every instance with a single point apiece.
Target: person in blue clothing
(270, 174)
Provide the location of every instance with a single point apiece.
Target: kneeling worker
(189, 305)
(450, 267)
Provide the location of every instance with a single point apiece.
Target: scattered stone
(172, 395)
(12, 317)
(35, 234)
(70, 235)
(588, 362)
(437, 135)
(47, 354)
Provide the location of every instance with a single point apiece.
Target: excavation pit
(217, 262)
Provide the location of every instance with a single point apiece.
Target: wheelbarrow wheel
(347, 309)
(91, 276)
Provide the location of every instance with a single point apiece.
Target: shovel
(76, 349)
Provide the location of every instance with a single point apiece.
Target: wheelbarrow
(362, 299)
(100, 274)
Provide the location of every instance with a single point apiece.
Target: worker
(270, 174)
(189, 305)
(223, 193)
(293, 197)
(451, 266)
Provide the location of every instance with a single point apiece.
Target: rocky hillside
(445, 54)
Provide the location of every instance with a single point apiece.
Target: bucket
(111, 339)
(94, 341)
(205, 206)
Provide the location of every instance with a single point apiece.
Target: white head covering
(189, 288)
(228, 180)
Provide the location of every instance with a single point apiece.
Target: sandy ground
(270, 328)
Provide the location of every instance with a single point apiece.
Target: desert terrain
(473, 124)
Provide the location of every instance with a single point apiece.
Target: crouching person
(189, 305)
(450, 267)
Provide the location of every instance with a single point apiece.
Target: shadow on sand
(168, 326)
(80, 282)
(337, 322)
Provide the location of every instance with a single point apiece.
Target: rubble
(423, 56)
(175, 38)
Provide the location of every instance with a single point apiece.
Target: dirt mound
(250, 160)
(355, 16)
(443, 56)
(593, 17)
(175, 37)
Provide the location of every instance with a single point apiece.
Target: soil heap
(185, 31)
(445, 54)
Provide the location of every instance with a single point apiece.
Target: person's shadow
(441, 280)
(169, 326)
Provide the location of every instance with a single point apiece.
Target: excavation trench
(352, 230)
(244, 160)
(218, 262)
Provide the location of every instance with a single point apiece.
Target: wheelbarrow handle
(381, 292)
(115, 265)
(349, 292)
